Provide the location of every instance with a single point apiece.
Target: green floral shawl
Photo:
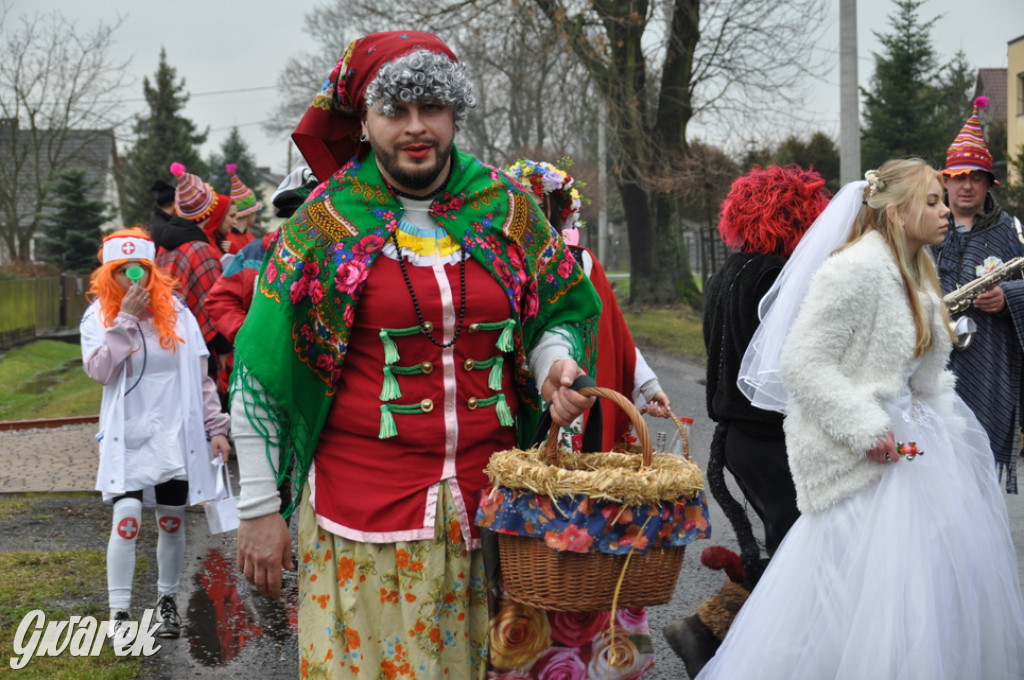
(295, 336)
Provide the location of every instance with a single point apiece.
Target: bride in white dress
(901, 566)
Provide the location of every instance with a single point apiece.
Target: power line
(212, 93)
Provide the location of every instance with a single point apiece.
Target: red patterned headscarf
(328, 134)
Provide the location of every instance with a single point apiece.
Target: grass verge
(44, 379)
(61, 583)
(673, 330)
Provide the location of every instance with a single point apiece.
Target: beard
(412, 179)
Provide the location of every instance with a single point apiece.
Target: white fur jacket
(850, 350)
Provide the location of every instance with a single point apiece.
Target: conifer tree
(71, 233)
(915, 104)
(235, 150)
(163, 137)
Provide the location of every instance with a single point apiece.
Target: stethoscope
(135, 273)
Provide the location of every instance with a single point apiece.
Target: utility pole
(849, 99)
(602, 183)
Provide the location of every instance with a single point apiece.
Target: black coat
(730, 319)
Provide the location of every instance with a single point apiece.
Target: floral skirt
(411, 610)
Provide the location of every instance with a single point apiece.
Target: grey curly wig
(421, 76)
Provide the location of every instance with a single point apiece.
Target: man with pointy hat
(981, 238)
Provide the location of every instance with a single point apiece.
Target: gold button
(426, 367)
(469, 364)
(474, 327)
(426, 326)
(471, 403)
(426, 406)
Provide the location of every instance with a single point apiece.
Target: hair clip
(875, 183)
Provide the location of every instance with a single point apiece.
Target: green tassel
(387, 423)
(494, 379)
(504, 412)
(390, 390)
(390, 348)
(505, 339)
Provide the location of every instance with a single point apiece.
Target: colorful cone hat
(968, 151)
(245, 199)
(193, 198)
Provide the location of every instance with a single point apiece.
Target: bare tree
(657, 65)
(58, 96)
(653, 64)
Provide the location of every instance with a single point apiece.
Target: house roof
(26, 165)
(991, 82)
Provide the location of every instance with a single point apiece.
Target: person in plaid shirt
(186, 254)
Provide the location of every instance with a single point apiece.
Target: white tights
(170, 550)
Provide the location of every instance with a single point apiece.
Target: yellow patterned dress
(421, 592)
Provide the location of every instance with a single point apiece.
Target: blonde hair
(896, 193)
(105, 287)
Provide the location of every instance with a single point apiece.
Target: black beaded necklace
(426, 326)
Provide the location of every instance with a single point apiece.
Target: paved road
(231, 632)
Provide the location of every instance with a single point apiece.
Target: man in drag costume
(408, 321)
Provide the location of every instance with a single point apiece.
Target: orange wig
(106, 288)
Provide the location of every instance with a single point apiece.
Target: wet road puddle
(225, 615)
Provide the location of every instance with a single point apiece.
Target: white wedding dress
(914, 577)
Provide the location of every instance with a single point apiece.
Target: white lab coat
(169, 413)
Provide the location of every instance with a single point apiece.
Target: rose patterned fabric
(529, 643)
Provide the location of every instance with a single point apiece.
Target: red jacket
(231, 296)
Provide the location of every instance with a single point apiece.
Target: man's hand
(220, 446)
(264, 550)
(566, 403)
(992, 300)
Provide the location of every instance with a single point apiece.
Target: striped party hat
(968, 151)
(194, 200)
(245, 199)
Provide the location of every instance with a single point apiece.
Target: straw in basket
(645, 509)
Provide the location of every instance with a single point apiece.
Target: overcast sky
(231, 53)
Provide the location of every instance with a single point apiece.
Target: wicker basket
(539, 576)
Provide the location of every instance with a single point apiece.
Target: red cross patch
(127, 247)
(128, 528)
(169, 524)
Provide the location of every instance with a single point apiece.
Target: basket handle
(683, 436)
(551, 445)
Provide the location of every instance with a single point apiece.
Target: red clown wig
(769, 209)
